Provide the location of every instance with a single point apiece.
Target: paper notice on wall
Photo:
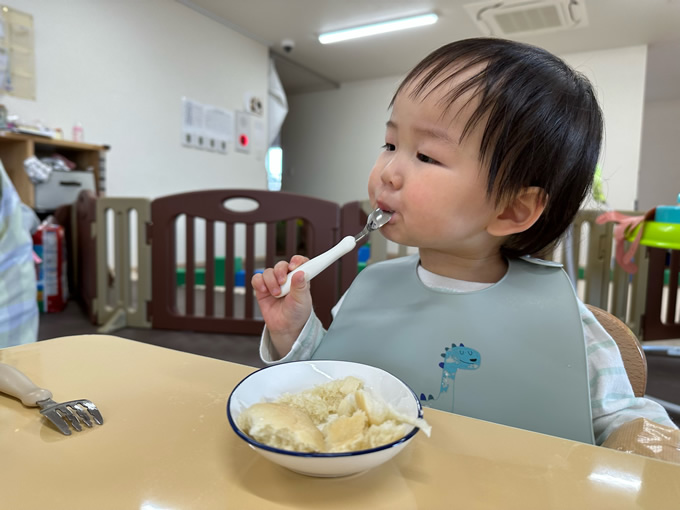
(207, 127)
(17, 38)
(219, 129)
(192, 123)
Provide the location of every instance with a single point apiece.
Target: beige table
(166, 444)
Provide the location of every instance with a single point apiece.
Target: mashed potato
(338, 416)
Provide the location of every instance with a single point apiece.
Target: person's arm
(305, 344)
(611, 395)
(303, 347)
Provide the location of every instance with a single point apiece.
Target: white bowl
(269, 383)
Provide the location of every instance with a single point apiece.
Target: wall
(331, 139)
(619, 79)
(122, 67)
(659, 182)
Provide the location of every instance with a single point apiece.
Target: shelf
(15, 148)
(53, 142)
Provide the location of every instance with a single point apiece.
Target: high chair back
(634, 359)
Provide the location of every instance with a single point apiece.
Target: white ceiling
(313, 66)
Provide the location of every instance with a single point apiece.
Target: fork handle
(314, 266)
(15, 383)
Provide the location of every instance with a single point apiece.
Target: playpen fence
(311, 227)
(84, 249)
(587, 252)
(124, 262)
(662, 317)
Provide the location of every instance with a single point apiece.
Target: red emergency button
(243, 140)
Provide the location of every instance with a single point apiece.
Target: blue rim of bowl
(263, 446)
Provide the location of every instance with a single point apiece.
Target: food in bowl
(273, 382)
(338, 416)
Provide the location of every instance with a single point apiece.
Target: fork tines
(60, 414)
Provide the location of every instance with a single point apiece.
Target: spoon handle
(314, 266)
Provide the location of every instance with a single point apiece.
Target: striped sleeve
(303, 348)
(306, 343)
(611, 395)
(18, 299)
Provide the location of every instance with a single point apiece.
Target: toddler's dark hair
(543, 126)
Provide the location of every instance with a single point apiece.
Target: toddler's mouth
(385, 208)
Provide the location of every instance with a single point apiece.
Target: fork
(15, 383)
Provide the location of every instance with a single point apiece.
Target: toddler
(490, 148)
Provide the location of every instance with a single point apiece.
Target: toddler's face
(434, 183)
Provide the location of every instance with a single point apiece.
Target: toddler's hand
(285, 317)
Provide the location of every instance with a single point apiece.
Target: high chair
(634, 359)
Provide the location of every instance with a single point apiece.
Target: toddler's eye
(389, 147)
(427, 159)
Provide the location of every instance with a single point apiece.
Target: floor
(236, 348)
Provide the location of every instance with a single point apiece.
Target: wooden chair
(311, 227)
(634, 359)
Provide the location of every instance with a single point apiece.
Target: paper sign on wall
(17, 46)
(192, 122)
(207, 127)
(219, 128)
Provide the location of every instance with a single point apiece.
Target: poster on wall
(219, 128)
(17, 53)
(192, 123)
(207, 127)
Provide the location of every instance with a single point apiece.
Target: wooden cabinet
(15, 148)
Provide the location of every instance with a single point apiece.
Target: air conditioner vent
(523, 17)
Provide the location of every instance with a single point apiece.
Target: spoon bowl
(376, 219)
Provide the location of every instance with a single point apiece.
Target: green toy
(598, 192)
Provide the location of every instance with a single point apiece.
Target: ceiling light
(377, 28)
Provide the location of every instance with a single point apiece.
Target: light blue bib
(513, 353)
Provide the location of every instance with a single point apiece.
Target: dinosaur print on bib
(456, 357)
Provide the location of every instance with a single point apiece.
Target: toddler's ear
(520, 213)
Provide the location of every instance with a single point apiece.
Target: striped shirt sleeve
(611, 395)
(303, 348)
(18, 299)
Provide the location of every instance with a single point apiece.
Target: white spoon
(313, 267)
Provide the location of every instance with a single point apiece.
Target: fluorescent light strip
(377, 28)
